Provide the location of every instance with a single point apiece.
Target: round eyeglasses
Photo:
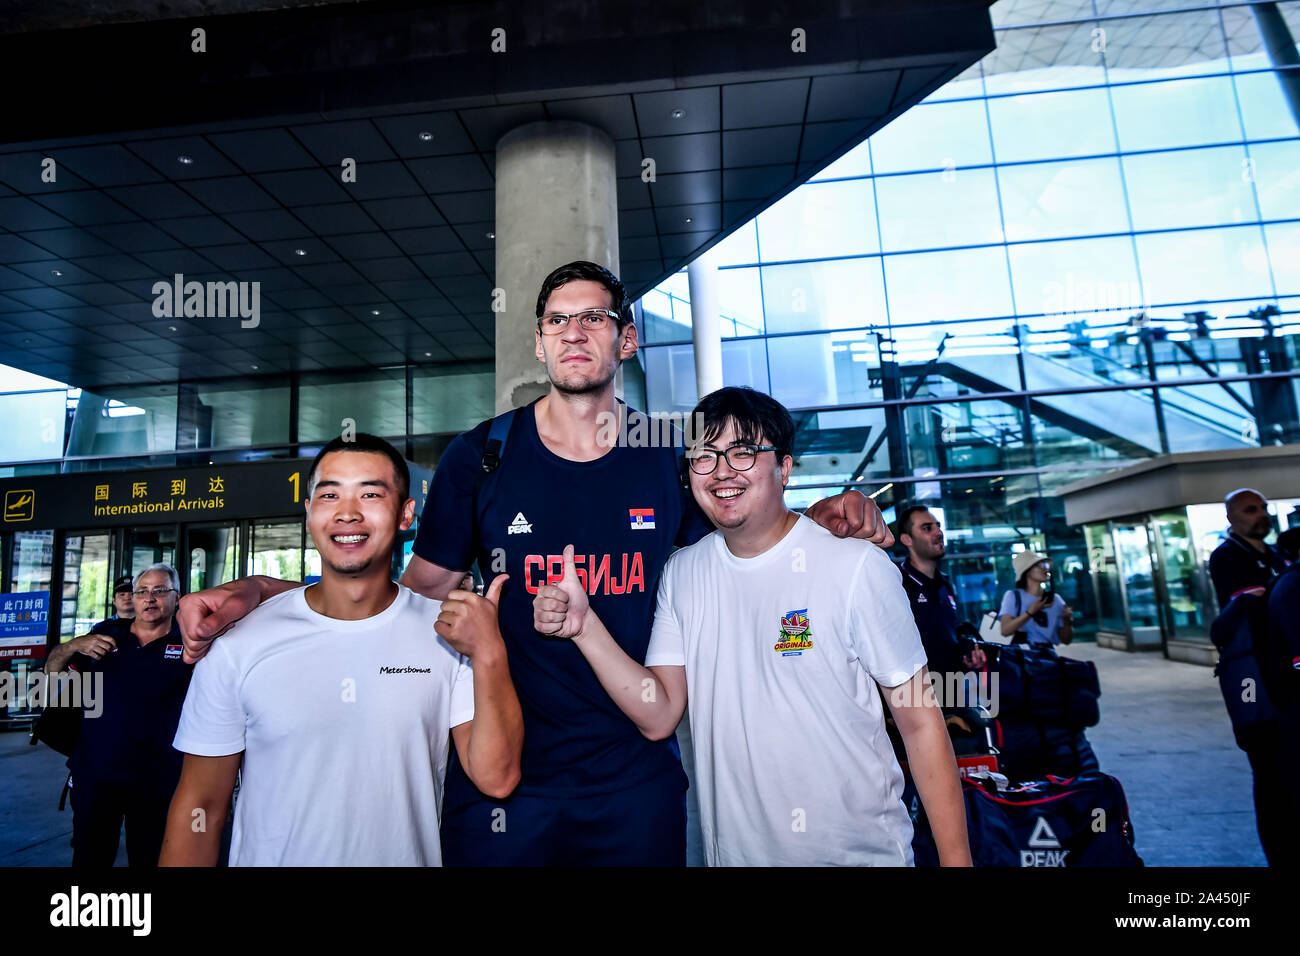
(739, 458)
(591, 320)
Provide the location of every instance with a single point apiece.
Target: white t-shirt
(344, 726)
(1038, 635)
(783, 653)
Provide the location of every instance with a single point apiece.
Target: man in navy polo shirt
(124, 767)
(1243, 562)
(593, 789)
(934, 604)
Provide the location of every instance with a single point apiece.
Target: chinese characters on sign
(24, 618)
(179, 498)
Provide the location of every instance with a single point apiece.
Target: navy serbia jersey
(623, 513)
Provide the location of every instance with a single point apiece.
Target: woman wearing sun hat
(1033, 611)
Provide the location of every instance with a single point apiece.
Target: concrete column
(706, 324)
(556, 201)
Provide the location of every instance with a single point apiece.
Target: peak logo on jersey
(520, 525)
(598, 573)
(796, 634)
(641, 518)
(172, 652)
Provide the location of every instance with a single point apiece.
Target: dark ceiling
(398, 266)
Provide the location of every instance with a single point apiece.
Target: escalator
(1123, 420)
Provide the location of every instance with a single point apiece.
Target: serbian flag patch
(641, 518)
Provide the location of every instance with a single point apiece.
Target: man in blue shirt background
(124, 768)
(1243, 562)
(934, 603)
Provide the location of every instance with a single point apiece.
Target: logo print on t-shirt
(520, 525)
(796, 634)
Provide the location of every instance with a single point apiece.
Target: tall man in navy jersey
(593, 789)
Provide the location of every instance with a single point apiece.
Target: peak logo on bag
(1045, 848)
(796, 634)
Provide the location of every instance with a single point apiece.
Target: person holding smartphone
(1033, 611)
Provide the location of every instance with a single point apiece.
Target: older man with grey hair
(124, 767)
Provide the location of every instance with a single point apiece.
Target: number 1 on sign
(294, 479)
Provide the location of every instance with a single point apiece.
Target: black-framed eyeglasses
(591, 320)
(739, 458)
(156, 592)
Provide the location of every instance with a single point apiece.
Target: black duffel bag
(1032, 749)
(59, 724)
(1039, 685)
(1076, 821)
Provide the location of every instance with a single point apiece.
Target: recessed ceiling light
(688, 219)
(254, 367)
(185, 160)
(428, 355)
(678, 114)
(56, 273)
(425, 136)
(374, 311)
(171, 328)
(300, 252)
(491, 235)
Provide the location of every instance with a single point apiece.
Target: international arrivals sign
(156, 496)
(229, 491)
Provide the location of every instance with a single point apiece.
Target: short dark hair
(581, 269)
(757, 417)
(367, 443)
(905, 519)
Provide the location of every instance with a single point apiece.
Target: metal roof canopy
(1187, 478)
(398, 266)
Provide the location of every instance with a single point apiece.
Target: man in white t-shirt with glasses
(341, 700)
(783, 634)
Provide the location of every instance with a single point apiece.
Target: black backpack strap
(63, 794)
(498, 435)
(493, 451)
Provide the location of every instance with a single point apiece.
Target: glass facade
(1081, 253)
(419, 406)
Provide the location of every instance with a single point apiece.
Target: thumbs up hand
(560, 609)
(469, 623)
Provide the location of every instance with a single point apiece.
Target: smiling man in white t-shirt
(338, 699)
(782, 633)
